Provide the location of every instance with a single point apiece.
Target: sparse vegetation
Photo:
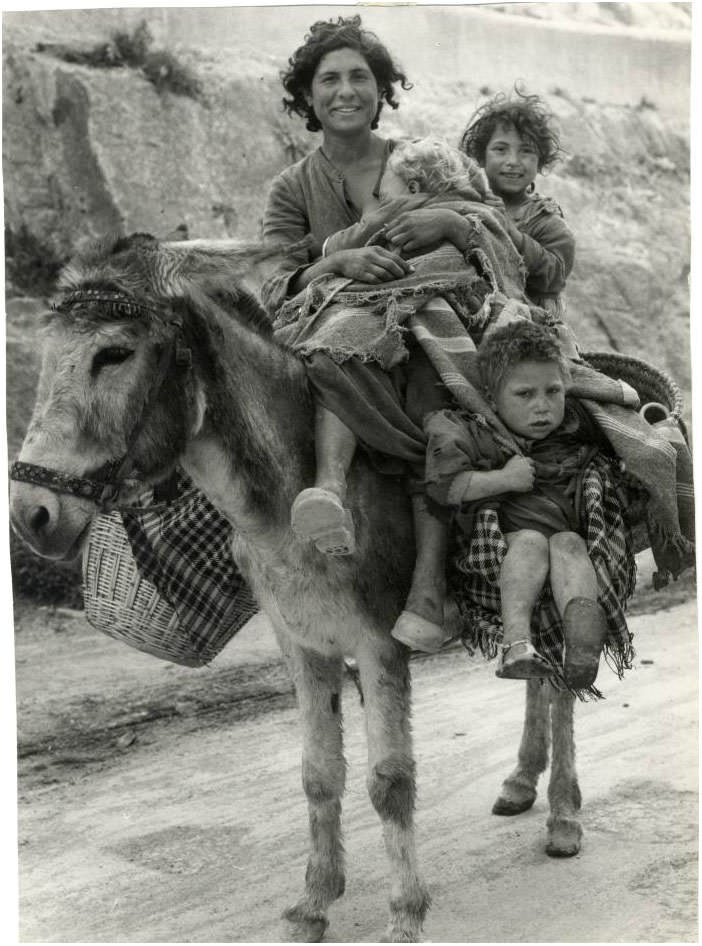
(31, 265)
(134, 51)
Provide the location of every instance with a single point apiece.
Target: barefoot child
(526, 377)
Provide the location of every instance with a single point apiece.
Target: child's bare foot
(520, 661)
(319, 516)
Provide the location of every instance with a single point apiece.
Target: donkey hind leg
(518, 791)
(384, 670)
(318, 682)
(564, 831)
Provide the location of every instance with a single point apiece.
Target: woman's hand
(369, 264)
(390, 208)
(414, 230)
(518, 475)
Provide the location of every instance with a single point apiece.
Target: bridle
(103, 485)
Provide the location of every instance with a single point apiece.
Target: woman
(339, 80)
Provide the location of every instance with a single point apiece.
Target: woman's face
(531, 399)
(344, 93)
(511, 162)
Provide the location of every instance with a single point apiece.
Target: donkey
(157, 358)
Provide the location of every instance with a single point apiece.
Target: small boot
(318, 514)
(585, 631)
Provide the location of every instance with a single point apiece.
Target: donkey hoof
(394, 935)
(564, 839)
(508, 806)
(304, 927)
(514, 799)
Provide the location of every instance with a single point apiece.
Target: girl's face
(531, 399)
(511, 162)
(344, 93)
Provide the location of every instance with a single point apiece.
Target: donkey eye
(110, 356)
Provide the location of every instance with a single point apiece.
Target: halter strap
(105, 484)
(96, 488)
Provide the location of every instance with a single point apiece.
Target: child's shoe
(585, 632)
(521, 661)
(418, 633)
(319, 516)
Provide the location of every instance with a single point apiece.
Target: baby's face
(531, 399)
(392, 185)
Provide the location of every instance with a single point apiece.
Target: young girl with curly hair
(514, 139)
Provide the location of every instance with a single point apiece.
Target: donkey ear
(178, 234)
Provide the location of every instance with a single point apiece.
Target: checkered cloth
(477, 558)
(185, 551)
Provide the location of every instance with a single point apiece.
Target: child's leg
(574, 587)
(335, 445)
(318, 514)
(420, 625)
(524, 571)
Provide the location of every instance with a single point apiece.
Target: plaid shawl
(476, 560)
(185, 551)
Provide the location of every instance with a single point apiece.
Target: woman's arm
(285, 224)
(372, 224)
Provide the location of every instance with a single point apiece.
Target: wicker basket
(119, 601)
(651, 384)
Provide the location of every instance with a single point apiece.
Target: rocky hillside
(96, 141)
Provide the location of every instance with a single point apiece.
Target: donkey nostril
(39, 518)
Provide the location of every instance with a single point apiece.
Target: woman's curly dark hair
(527, 114)
(326, 36)
(514, 343)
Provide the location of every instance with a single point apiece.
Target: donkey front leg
(384, 671)
(564, 831)
(519, 789)
(318, 682)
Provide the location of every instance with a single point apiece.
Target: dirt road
(191, 826)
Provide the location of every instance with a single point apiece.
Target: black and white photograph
(350, 487)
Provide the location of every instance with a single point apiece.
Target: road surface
(191, 827)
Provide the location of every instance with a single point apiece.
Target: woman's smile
(344, 93)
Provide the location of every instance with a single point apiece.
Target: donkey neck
(253, 450)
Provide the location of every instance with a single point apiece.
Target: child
(428, 167)
(526, 377)
(514, 140)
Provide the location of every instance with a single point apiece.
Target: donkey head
(116, 400)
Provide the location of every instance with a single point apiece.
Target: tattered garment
(345, 319)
